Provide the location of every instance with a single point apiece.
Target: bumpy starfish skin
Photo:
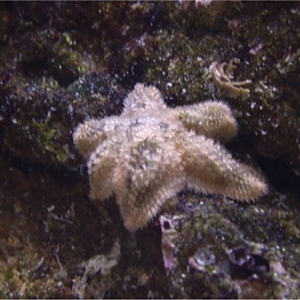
(150, 152)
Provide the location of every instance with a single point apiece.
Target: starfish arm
(101, 167)
(145, 179)
(91, 133)
(142, 99)
(210, 168)
(213, 119)
(86, 137)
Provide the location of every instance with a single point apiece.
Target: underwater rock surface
(74, 62)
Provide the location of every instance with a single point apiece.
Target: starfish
(150, 152)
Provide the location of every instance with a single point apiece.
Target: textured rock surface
(72, 62)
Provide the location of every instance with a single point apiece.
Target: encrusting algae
(150, 152)
(229, 88)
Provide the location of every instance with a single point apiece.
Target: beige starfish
(150, 152)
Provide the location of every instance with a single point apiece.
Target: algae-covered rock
(177, 60)
(62, 63)
(38, 118)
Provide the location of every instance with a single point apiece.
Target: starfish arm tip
(87, 136)
(143, 98)
(213, 119)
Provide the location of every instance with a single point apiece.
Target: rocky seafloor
(62, 63)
